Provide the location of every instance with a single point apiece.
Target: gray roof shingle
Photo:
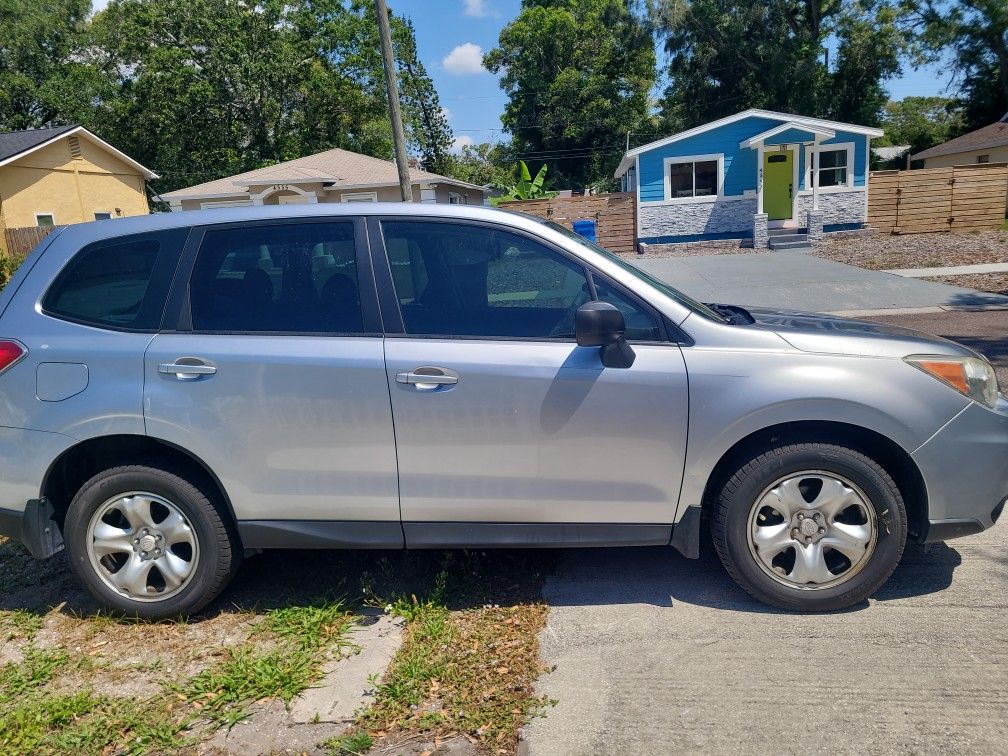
(993, 135)
(15, 142)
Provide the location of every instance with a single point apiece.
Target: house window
(694, 178)
(833, 168)
(102, 216)
(835, 163)
(983, 158)
(227, 203)
(454, 198)
(45, 220)
(360, 197)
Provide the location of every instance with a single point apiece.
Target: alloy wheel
(812, 530)
(142, 546)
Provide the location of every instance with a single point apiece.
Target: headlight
(971, 376)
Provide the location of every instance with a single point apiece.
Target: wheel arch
(78, 464)
(890, 455)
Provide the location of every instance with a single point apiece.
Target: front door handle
(428, 378)
(187, 369)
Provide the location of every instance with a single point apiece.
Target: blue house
(752, 175)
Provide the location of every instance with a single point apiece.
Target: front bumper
(965, 469)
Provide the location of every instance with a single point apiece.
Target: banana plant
(524, 186)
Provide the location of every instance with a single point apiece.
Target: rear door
(506, 430)
(272, 372)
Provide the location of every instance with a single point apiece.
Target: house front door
(778, 184)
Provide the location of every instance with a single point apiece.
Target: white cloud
(478, 9)
(467, 58)
(460, 142)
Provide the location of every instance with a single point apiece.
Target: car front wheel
(148, 543)
(810, 527)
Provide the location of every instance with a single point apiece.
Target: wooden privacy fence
(615, 216)
(959, 198)
(21, 241)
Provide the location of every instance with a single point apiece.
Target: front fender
(733, 396)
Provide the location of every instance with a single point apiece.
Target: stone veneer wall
(836, 207)
(688, 219)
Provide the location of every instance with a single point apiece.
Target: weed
(355, 742)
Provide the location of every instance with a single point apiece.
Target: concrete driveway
(655, 653)
(799, 281)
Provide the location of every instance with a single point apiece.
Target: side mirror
(601, 324)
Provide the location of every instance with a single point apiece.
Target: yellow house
(66, 175)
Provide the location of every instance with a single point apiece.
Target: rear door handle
(428, 378)
(189, 370)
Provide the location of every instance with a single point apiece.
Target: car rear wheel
(148, 543)
(810, 527)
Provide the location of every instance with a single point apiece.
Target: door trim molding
(433, 535)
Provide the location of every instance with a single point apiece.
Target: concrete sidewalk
(797, 281)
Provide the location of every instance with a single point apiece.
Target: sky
(452, 35)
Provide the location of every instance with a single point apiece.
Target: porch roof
(781, 131)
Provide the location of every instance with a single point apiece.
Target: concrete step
(786, 231)
(803, 244)
(781, 238)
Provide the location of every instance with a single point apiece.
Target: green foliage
(44, 78)
(728, 55)
(523, 186)
(921, 122)
(974, 35)
(578, 75)
(199, 89)
(483, 164)
(349, 743)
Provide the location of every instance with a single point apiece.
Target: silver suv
(181, 390)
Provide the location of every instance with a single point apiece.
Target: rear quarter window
(121, 284)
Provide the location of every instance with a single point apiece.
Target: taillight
(10, 353)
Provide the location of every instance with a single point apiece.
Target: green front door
(778, 178)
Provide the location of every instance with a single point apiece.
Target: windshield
(664, 288)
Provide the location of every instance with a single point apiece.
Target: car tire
(148, 543)
(809, 527)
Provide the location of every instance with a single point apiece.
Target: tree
(45, 79)
(485, 164)
(921, 122)
(199, 89)
(728, 55)
(522, 186)
(975, 34)
(428, 125)
(577, 74)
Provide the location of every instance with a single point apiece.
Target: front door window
(778, 184)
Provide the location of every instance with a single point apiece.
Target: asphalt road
(655, 653)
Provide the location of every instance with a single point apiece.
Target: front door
(778, 184)
(507, 430)
(275, 377)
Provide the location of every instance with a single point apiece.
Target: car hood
(827, 334)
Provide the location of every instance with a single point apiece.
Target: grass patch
(19, 623)
(467, 666)
(358, 741)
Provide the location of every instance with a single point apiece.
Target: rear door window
(283, 278)
(120, 284)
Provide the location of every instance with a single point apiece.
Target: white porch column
(759, 178)
(814, 168)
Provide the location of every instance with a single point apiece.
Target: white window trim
(51, 215)
(670, 200)
(458, 196)
(359, 196)
(227, 203)
(813, 148)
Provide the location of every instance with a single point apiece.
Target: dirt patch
(882, 252)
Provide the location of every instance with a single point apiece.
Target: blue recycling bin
(585, 228)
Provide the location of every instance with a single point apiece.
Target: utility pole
(393, 101)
